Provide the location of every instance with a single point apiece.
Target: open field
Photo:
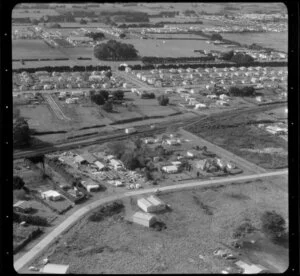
(22, 49)
(199, 221)
(171, 48)
(246, 140)
(32, 13)
(278, 41)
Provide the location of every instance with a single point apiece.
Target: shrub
(273, 224)
(104, 94)
(118, 94)
(148, 96)
(106, 211)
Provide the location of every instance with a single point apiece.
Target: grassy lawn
(200, 220)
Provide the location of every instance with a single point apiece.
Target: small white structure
(55, 269)
(173, 142)
(51, 195)
(144, 219)
(157, 204)
(72, 100)
(176, 163)
(170, 169)
(258, 98)
(200, 105)
(223, 97)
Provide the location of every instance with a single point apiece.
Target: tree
(108, 106)
(216, 37)
(242, 58)
(98, 99)
(21, 132)
(163, 100)
(130, 160)
(122, 35)
(18, 183)
(118, 94)
(114, 50)
(108, 74)
(227, 55)
(241, 231)
(82, 21)
(273, 224)
(104, 94)
(117, 149)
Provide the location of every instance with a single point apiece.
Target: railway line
(141, 130)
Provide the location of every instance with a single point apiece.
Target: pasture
(278, 41)
(22, 49)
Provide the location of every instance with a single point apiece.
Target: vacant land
(277, 41)
(243, 137)
(26, 49)
(200, 220)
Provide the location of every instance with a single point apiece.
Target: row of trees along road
(21, 131)
(114, 50)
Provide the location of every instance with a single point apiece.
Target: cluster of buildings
(23, 33)
(263, 76)
(43, 80)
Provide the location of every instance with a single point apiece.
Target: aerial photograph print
(150, 138)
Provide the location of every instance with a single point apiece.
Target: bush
(242, 58)
(104, 94)
(163, 100)
(148, 96)
(216, 37)
(273, 224)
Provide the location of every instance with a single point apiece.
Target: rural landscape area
(150, 138)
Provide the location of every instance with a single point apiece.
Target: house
(72, 100)
(176, 163)
(173, 142)
(99, 165)
(259, 98)
(251, 268)
(55, 269)
(22, 206)
(170, 169)
(79, 159)
(88, 157)
(221, 103)
(212, 96)
(144, 219)
(116, 164)
(202, 164)
(199, 105)
(90, 186)
(51, 195)
(220, 163)
(149, 141)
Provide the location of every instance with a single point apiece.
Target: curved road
(27, 257)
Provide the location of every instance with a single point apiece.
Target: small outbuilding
(144, 219)
(170, 169)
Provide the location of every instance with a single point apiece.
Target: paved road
(29, 256)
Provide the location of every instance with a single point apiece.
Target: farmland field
(200, 221)
(22, 49)
(277, 41)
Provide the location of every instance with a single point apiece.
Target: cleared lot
(199, 222)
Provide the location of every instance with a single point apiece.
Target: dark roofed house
(89, 157)
(22, 206)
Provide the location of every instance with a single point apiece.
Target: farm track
(55, 108)
(142, 130)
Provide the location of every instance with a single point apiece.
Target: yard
(200, 221)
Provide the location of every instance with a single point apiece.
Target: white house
(223, 97)
(145, 205)
(200, 105)
(90, 187)
(170, 169)
(157, 203)
(116, 164)
(51, 195)
(202, 164)
(99, 165)
(144, 219)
